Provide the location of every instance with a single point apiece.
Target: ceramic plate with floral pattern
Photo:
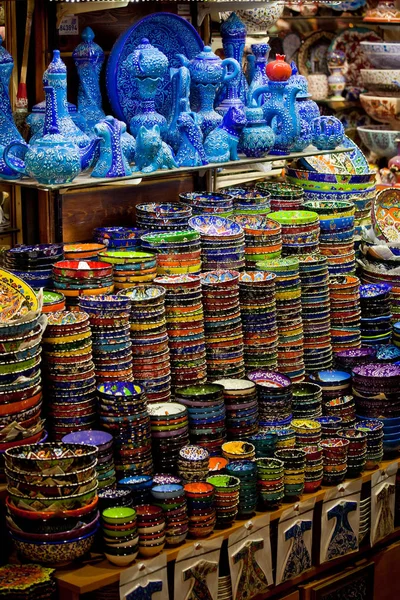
(348, 41)
(386, 213)
(17, 298)
(329, 163)
(312, 53)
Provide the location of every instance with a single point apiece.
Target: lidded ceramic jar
(206, 67)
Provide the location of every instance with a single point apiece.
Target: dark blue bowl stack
(118, 238)
(112, 346)
(169, 433)
(34, 263)
(246, 471)
(204, 203)
(241, 407)
(122, 407)
(163, 216)
(307, 400)
(139, 488)
(275, 396)
(376, 316)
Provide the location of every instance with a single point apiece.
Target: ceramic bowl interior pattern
(380, 139)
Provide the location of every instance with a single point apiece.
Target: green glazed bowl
(118, 515)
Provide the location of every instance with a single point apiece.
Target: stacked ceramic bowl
(208, 203)
(222, 242)
(111, 343)
(226, 499)
(69, 373)
(249, 201)
(343, 407)
(103, 441)
(222, 324)
(241, 408)
(121, 539)
(300, 231)
(150, 362)
(193, 463)
(52, 301)
(262, 236)
(185, 327)
(139, 488)
(274, 398)
(313, 470)
(171, 498)
(288, 311)
(83, 251)
(315, 312)
(151, 529)
(345, 313)
(334, 452)
(82, 278)
(200, 508)
(259, 322)
(206, 408)
(334, 384)
(233, 451)
(264, 443)
(376, 390)
(169, 433)
(336, 220)
(118, 237)
(307, 400)
(357, 451)
(330, 426)
(396, 334)
(308, 432)
(178, 251)
(374, 430)
(114, 497)
(270, 482)
(294, 461)
(284, 196)
(376, 327)
(246, 472)
(122, 407)
(52, 501)
(130, 266)
(34, 264)
(285, 436)
(346, 360)
(163, 216)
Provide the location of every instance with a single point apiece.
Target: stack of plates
(343, 407)
(185, 327)
(34, 264)
(178, 251)
(259, 323)
(150, 363)
(241, 408)
(315, 312)
(334, 384)
(271, 489)
(122, 407)
(151, 528)
(222, 324)
(346, 360)
(171, 498)
(226, 498)
(130, 266)
(112, 346)
(376, 317)
(249, 201)
(52, 501)
(294, 461)
(204, 203)
(374, 430)
(193, 463)
(27, 582)
(201, 509)
(274, 398)
(118, 237)
(307, 400)
(105, 458)
(329, 426)
(52, 301)
(314, 469)
(357, 451)
(70, 375)
(82, 278)
(284, 196)
(365, 519)
(288, 305)
(334, 451)
(169, 433)
(246, 472)
(81, 251)
(222, 242)
(206, 408)
(336, 220)
(120, 535)
(376, 389)
(163, 216)
(308, 432)
(262, 238)
(300, 231)
(139, 489)
(395, 303)
(345, 313)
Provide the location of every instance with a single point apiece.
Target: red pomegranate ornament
(278, 69)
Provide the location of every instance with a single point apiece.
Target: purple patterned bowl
(269, 379)
(101, 439)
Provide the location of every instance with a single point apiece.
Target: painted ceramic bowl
(54, 553)
(120, 515)
(381, 80)
(384, 109)
(380, 139)
(382, 55)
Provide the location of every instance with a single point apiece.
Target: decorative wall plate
(166, 31)
(356, 156)
(348, 41)
(17, 298)
(386, 213)
(312, 53)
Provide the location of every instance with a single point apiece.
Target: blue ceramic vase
(147, 66)
(233, 33)
(112, 161)
(89, 59)
(261, 53)
(8, 129)
(257, 138)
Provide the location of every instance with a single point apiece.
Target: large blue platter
(169, 33)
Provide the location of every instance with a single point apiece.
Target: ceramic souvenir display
(26, 581)
(120, 535)
(250, 201)
(375, 434)
(386, 11)
(261, 53)
(130, 267)
(327, 133)
(118, 237)
(334, 452)
(308, 432)
(152, 154)
(262, 236)
(151, 528)
(257, 138)
(76, 278)
(89, 59)
(384, 213)
(34, 263)
(382, 55)
(190, 152)
(226, 498)
(52, 301)
(336, 80)
(241, 408)
(193, 463)
(70, 375)
(83, 251)
(346, 360)
(233, 33)
(330, 425)
(137, 490)
(205, 203)
(313, 470)
(169, 432)
(171, 498)
(343, 407)
(9, 132)
(345, 313)
(111, 344)
(318, 86)
(221, 144)
(222, 324)
(384, 109)
(283, 196)
(307, 399)
(185, 328)
(300, 231)
(294, 461)
(274, 398)
(112, 161)
(375, 314)
(357, 450)
(201, 508)
(246, 472)
(380, 139)
(270, 482)
(222, 242)
(163, 216)
(380, 80)
(238, 450)
(180, 80)
(150, 355)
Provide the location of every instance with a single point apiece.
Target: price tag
(69, 25)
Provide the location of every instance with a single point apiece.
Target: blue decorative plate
(356, 156)
(169, 33)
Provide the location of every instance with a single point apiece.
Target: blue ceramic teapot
(52, 159)
(306, 109)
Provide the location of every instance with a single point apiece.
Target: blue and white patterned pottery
(259, 78)
(257, 138)
(233, 33)
(328, 133)
(306, 108)
(8, 130)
